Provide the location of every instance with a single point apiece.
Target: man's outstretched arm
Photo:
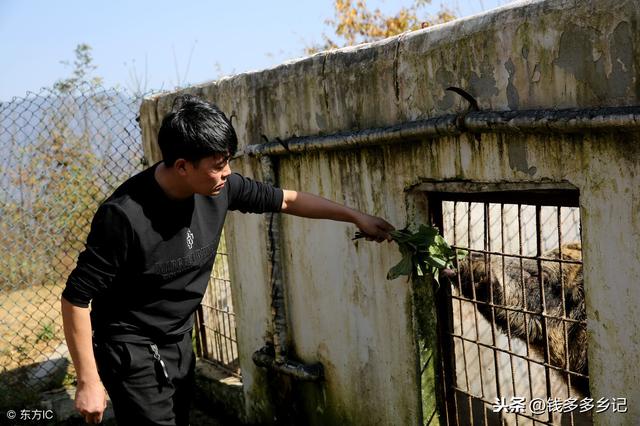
(90, 396)
(312, 206)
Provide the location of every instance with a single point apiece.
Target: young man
(147, 263)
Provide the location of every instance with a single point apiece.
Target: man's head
(193, 130)
(197, 142)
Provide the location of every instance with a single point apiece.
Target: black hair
(195, 129)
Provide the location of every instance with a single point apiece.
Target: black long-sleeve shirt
(148, 258)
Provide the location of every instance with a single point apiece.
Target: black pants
(136, 384)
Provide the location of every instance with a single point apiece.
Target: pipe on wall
(563, 121)
(278, 313)
(273, 356)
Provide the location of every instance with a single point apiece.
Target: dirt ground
(197, 418)
(30, 332)
(30, 325)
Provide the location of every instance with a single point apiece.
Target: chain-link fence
(61, 154)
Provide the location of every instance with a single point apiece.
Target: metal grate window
(216, 320)
(513, 322)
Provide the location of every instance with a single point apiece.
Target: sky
(165, 43)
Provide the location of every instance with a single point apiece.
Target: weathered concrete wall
(342, 310)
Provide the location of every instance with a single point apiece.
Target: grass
(47, 333)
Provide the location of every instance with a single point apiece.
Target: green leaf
(437, 262)
(436, 251)
(404, 267)
(426, 252)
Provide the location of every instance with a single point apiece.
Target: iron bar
(202, 331)
(196, 326)
(487, 247)
(502, 247)
(521, 356)
(545, 334)
(518, 256)
(445, 399)
(564, 310)
(475, 307)
(518, 310)
(524, 297)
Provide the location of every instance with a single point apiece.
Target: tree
(52, 176)
(354, 23)
(82, 68)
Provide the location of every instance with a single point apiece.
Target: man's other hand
(91, 401)
(374, 228)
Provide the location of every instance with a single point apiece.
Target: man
(147, 263)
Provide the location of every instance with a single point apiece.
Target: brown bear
(516, 284)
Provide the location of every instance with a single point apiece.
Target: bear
(513, 283)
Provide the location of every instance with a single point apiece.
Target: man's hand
(91, 401)
(374, 228)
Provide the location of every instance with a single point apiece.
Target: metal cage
(512, 324)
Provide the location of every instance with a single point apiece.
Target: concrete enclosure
(341, 310)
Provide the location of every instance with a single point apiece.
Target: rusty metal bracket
(284, 144)
(473, 106)
(265, 357)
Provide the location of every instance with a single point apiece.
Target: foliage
(82, 68)
(53, 187)
(424, 253)
(47, 332)
(354, 23)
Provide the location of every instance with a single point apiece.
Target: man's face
(208, 177)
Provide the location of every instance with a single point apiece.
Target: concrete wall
(342, 310)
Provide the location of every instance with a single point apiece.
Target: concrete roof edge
(461, 27)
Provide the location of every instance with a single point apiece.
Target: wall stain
(621, 46)
(445, 78)
(512, 93)
(484, 85)
(517, 149)
(577, 47)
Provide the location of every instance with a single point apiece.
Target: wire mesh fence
(216, 320)
(61, 154)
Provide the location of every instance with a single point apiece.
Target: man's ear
(181, 166)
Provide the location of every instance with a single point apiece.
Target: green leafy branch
(424, 253)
